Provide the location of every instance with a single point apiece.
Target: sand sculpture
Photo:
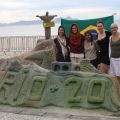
(25, 83)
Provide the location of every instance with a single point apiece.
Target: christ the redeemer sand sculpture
(47, 23)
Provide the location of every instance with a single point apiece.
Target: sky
(17, 10)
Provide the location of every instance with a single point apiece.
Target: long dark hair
(63, 29)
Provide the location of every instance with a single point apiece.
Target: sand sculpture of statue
(47, 19)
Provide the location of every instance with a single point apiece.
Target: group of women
(79, 46)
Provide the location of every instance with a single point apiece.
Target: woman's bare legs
(75, 60)
(104, 68)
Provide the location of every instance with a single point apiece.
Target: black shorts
(94, 62)
(105, 59)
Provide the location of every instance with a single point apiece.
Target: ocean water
(26, 30)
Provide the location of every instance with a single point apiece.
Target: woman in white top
(114, 49)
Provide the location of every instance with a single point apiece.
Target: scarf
(63, 46)
(76, 43)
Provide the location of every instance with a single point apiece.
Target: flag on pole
(86, 25)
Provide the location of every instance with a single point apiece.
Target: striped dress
(90, 50)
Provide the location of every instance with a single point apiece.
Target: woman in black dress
(60, 48)
(103, 43)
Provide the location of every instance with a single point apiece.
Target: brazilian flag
(86, 25)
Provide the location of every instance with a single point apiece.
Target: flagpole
(114, 14)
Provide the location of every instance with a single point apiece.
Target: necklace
(62, 39)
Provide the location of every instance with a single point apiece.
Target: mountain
(22, 23)
(35, 22)
(32, 22)
(27, 22)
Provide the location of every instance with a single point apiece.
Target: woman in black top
(60, 48)
(103, 43)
